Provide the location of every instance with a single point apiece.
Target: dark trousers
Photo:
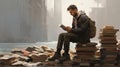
(65, 39)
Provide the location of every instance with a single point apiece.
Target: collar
(78, 14)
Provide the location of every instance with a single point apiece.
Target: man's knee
(68, 35)
(62, 34)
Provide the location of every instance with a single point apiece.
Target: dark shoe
(56, 56)
(65, 57)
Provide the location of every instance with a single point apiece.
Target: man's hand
(68, 29)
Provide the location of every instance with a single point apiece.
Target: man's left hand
(68, 29)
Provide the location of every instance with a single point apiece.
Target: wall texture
(22, 21)
(108, 15)
(38, 20)
(29, 20)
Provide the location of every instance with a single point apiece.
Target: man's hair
(72, 7)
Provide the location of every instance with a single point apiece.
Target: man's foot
(55, 57)
(65, 57)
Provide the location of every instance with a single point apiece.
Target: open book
(63, 27)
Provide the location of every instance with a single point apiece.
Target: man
(78, 33)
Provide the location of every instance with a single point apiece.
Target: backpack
(91, 26)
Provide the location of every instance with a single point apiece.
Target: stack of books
(86, 52)
(109, 43)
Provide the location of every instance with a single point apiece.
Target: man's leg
(60, 42)
(57, 54)
(69, 37)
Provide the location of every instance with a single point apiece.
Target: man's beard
(75, 15)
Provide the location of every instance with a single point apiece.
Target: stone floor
(82, 65)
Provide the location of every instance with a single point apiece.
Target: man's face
(73, 12)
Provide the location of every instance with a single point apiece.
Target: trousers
(64, 40)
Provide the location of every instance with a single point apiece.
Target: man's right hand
(68, 29)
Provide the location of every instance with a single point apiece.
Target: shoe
(55, 57)
(65, 57)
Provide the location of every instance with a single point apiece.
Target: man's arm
(84, 20)
(66, 28)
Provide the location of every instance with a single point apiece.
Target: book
(92, 53)
(106, 37)
(108, 42)
(63, 27)
(109, 45)
(110, 48)
(86, 49)
(111, 53)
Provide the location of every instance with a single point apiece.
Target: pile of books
(109, 43)
(86, 52)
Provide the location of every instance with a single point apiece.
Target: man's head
(73, 10)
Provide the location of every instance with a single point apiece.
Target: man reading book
(78, 33)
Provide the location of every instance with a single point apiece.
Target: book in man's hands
(63, 27)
